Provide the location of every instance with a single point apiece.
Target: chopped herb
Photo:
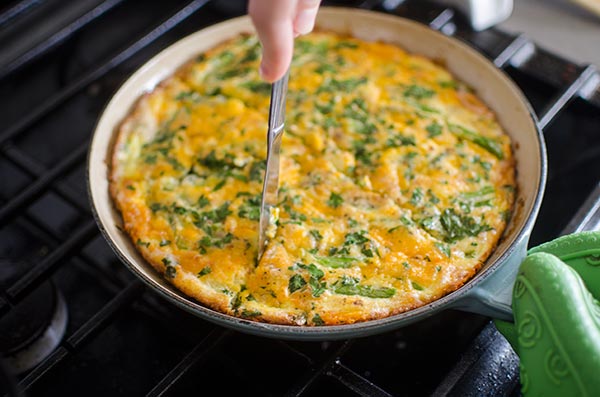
(250, 209)
(356, 238)
(143, 243)
(418, 92)
(317, 320)
(416, 286)
(444, 249)
(367, 252)
(433, 199)
(203, 201)
(257, 171)
(312, 270)
(352, 223)
(335, 262)
(206, 270)
(208, 241)
(150, 159)
(170, 270)
(393, 229)
(479, 198)
(315, 233)
(325, 67)
(211, 162)
(164, 243)
(486, 143)
(349, 286)
(451, 226)
(406, 265)
(417, 196)
(400, 140)
(317, 287)
(334, 85)
(296, 282)
(346, 44)
(433, 130)
(259, 87)
(190, 95)
(130, 187)
(250, 313)
(219, 185)
(448, 84)
(335, 200)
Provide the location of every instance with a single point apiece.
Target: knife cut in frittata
(396, 182)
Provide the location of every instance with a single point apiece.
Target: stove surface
(123, 339)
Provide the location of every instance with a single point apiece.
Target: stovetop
(123, 339)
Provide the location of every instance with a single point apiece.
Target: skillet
(488, 292)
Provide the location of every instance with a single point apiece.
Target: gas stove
(74, 321)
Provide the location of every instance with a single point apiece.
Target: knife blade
(271, 180)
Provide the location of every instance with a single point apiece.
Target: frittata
(396, 182)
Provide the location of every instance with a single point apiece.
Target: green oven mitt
(557, 319)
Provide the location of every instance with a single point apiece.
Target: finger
(305, 16)
(273, 23)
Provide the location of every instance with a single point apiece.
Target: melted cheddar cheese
(396, 182)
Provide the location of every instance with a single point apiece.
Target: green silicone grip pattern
(557, 320)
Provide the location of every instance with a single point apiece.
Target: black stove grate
(122, 339)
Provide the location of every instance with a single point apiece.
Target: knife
(271, 181)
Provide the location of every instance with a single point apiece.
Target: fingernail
(305, 21)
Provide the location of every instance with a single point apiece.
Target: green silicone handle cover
(581, 251)
(557, 324)
(557, 321)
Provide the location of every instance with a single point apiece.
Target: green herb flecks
(335, 200)
(143, 243)
(205, 270)
(317, 320)
(250, 209)
(434, 129)
(418, 92)
(416, 286)
(482, 197)
(400, 140)
(486, 143)
(211, 221)
(334, 85)
(257, 171)
(296, 283)
(210, 241)
(417, 197)
(258, 87)
(451, 226)
(335, 262)
(350, 286)
(170, 270)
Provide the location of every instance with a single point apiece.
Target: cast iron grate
(49, 173)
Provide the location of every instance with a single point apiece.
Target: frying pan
(487, 293)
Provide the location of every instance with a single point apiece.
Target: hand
(277, 23)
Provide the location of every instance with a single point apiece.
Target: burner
(33, 329)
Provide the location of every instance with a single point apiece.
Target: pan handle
(493, 296)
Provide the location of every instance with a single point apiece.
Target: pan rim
(331, 331)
